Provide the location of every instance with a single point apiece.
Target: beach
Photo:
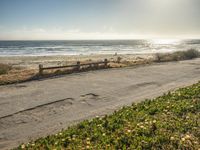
(32, 62)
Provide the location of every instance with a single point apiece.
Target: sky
(98, 19)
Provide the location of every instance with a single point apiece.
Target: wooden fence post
(40, 69)
(78, 65)
(97, 66)
(105, 62)
(118, 59)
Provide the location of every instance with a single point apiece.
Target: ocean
(87, 47)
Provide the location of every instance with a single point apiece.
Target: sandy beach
(25, 68)
(32, 62)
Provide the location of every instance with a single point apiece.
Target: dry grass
(9, 74)
(4, 68)
(17, 75)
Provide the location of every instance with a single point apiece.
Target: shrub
(176, 56)
(4, 68)
(190, 54)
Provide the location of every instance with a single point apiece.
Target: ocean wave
(38, 48)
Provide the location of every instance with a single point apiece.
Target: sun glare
(164, 41)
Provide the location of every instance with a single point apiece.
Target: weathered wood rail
(76, 66)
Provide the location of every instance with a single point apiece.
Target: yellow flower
(183, 139)
(88, 139)
(154, 121)
(23, 146)
(87, 146)
(187, 137)
(172, 138)
(88, 142)
(141, 126)
(60, 133)
(129, 131)
(195, 142)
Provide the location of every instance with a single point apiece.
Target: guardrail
(76, 67)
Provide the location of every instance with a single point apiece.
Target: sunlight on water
(43, 48)
(164, 41)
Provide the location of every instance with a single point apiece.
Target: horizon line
(97, 39)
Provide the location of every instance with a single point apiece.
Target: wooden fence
(76, 67)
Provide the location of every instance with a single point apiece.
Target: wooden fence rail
(77, 66)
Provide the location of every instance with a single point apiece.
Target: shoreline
(32, 62)
(23, 68)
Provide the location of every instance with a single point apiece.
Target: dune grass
(171, 121)
(11, 75)
(17, 76)
(177, 56)
(4, 68)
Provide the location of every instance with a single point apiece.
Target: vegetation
(17, 75)
(4, 68)
(10, 75)
(177, 56)
(171, 121)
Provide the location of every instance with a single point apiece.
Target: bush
(176, 56)
(190, 54)
(4, 68)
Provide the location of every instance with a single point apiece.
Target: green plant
(176, 56)
(191, 53)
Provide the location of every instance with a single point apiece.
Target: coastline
(15, 69)
(26, 68)
(32, 62)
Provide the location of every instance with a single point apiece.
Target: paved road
(34, 109)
